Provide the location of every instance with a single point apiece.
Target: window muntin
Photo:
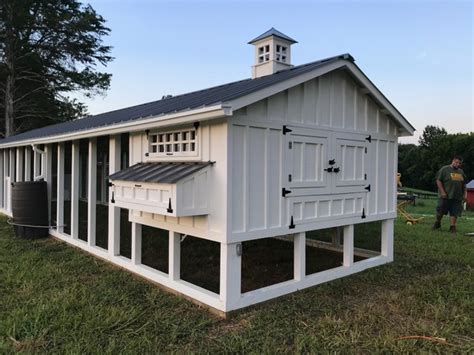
(174, 143)
(264, 53)
(280, 53)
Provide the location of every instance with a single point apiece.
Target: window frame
(170, 139)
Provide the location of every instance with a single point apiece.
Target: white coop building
(294, 149)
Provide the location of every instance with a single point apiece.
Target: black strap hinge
(369, 138)
(110, 184)
(169, 209)
(292, 223)
(112, 200)
(196, 125)
(367, 187)
(147, 154)
(286, 130)
(285, 192)
(363, 214)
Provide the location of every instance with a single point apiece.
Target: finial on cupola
(272, 53)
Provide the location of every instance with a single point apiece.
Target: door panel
(351, 160)
(307, 158)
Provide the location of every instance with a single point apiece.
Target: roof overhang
(178, 118)
(405, 128)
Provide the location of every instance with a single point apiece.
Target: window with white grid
(175, 143)
(280, 54)
(264, 53)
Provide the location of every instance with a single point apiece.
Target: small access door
(350, 170)
(307, 160)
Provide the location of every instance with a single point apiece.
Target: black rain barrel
(30, 209)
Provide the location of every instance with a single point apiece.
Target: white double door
(326, 162)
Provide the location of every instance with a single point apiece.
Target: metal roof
(273, 32)
(470, 185)
(162, 172)
(193, 100)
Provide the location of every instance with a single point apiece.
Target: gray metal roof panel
(193, 100)
(159, 172)
(272, 32)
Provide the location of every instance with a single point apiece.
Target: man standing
(451, 183)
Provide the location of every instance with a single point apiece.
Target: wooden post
(2, 177)
(299, 256)
(19, 164)
(387, 238)
(12, 165)
(28, 176)
(230, 275)
(75, 189)
(5, 175)
(136, 243)
(92, 192)
(60, 186)
(174, 256)
(48, 173)
(114, 212)
(348, 245)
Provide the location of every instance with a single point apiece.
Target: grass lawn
(55, 298)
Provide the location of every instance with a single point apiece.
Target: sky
(418, 53)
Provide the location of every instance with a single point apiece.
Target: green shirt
(454, 181)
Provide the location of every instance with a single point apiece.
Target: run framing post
(75, 189)
(28, 176)
(136, 243)
(174, 256)
(36, 164)
(48, 173)
(60, 186)
(299, 256)
(12, 166)
(2, 178)
(5, 175)
(92, 192)
(114, 212)
(19, 164)
(230, 275)
(348, 245)
(387, 239)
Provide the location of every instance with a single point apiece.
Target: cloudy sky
(419, 53)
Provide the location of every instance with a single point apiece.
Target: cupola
(272, 53)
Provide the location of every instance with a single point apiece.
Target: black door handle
(336, 170)
(332, 161)
(329, 170)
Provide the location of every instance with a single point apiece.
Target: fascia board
(190, 116)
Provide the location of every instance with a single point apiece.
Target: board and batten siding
(212, 146)
(332, 104)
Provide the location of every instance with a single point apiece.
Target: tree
(48, 50)
(429, 135)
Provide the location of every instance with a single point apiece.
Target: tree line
(419, 164)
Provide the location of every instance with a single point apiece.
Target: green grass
(56, 298)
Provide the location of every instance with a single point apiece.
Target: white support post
(230, 275)
(136, 243)
(114, 212)
(48, 173)
(387, 238)
(299, 256)
(92, 192)
(2, 177)
(19, 164)
(36, 164)
(28, 176)
(174, 256)
(12, 165)
(5, 181)
(348, 245)
(75, 189)
(60, 186)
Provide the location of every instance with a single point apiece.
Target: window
(264, 53)
(280, 53)
(176, 143)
